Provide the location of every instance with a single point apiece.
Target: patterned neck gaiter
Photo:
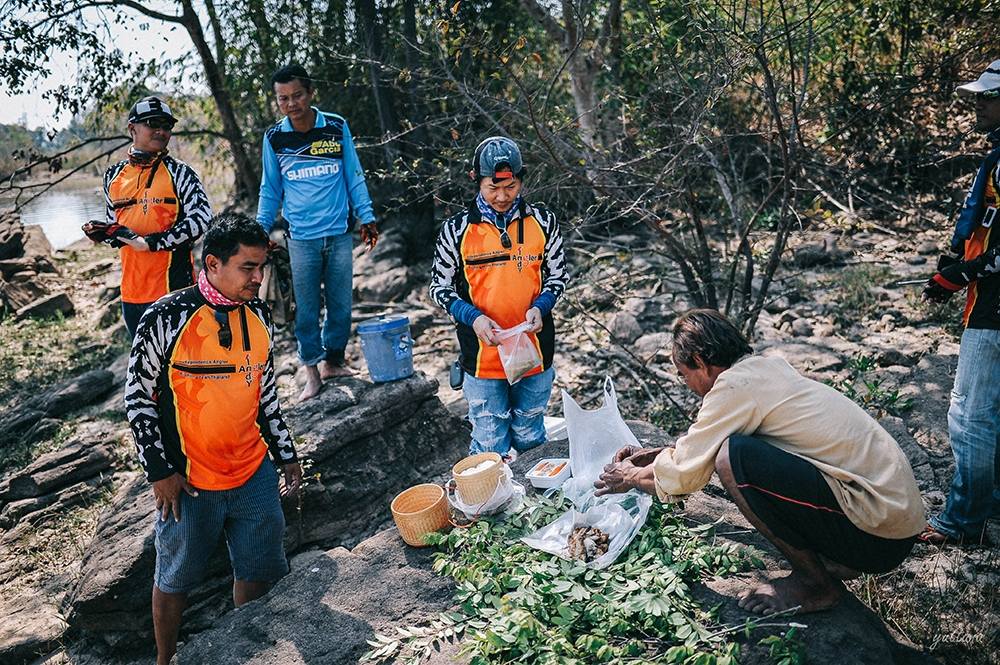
(212, 294)
(499, 219)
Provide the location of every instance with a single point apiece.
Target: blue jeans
(325, 262)
(974, 426)
(505, 416)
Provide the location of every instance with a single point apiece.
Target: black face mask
(138, 157)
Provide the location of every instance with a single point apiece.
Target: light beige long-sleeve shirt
(766, 398)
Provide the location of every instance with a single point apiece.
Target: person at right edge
(974, 414)
(497, 264)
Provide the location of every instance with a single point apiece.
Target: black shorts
(792, 497)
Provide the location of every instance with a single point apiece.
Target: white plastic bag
(594, 438)
(518, 353)
(506, 498)
(621, 519)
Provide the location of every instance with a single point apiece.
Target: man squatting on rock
(312, 173)
(156, 209)
(974, 414)
(201, 400)
(809, 468)
(497, 264)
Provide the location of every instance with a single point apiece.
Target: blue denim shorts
(250, 517)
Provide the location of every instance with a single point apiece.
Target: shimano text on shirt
(307, 172)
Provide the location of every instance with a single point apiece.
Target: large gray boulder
(326, 609)
(16, 423)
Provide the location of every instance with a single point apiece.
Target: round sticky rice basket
(477, 487)
(420, 510)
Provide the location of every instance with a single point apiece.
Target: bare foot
(313, 384)
(783, 593)
(330, 371)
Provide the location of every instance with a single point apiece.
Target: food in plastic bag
(506, 498)
(586, 543)
(621, 521)
(518, 354)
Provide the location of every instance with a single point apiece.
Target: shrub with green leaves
(863, 387)
(517, 604)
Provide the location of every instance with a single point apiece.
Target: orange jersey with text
(165, 203)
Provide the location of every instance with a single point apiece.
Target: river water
(61, 212)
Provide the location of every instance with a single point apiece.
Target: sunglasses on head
(225, 332)
(159, 123)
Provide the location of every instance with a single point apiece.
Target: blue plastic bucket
(388, 347)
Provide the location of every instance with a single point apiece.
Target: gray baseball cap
(498, 157)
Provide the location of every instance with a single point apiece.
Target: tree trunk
(372, 36)
(247, 176)
(420, 229)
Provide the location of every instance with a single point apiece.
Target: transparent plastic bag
(621, 519)
(506, 498)
(518, 353)
(594, 438)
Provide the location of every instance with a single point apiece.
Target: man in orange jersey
(498, 264)
(156, 209)
(203, 407)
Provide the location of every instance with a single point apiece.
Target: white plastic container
(549, 472)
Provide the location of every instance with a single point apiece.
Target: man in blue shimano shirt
(974, 414)
(312, 172)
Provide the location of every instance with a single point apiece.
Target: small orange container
(420, 510)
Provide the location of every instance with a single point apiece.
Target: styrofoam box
(544, 475)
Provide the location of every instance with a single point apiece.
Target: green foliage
(863, 387)
(786, 648)
(516, 604)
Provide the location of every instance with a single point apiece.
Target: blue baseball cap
(498, 157)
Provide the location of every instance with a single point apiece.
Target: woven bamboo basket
(477, 487)
(420, 510)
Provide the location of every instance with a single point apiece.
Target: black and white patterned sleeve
(269, 417)
(446, 264)
(554, 273)
(146, 361)
(196, 212)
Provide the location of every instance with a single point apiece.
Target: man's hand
(485, 327)
(96, 230)
(939, 290)
(138, 243)
(369, 235)
(168, 495)
(533, 317)
(624, 453)
(617, 478)
(293, 479)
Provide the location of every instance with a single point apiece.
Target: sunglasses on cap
(159, 123)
